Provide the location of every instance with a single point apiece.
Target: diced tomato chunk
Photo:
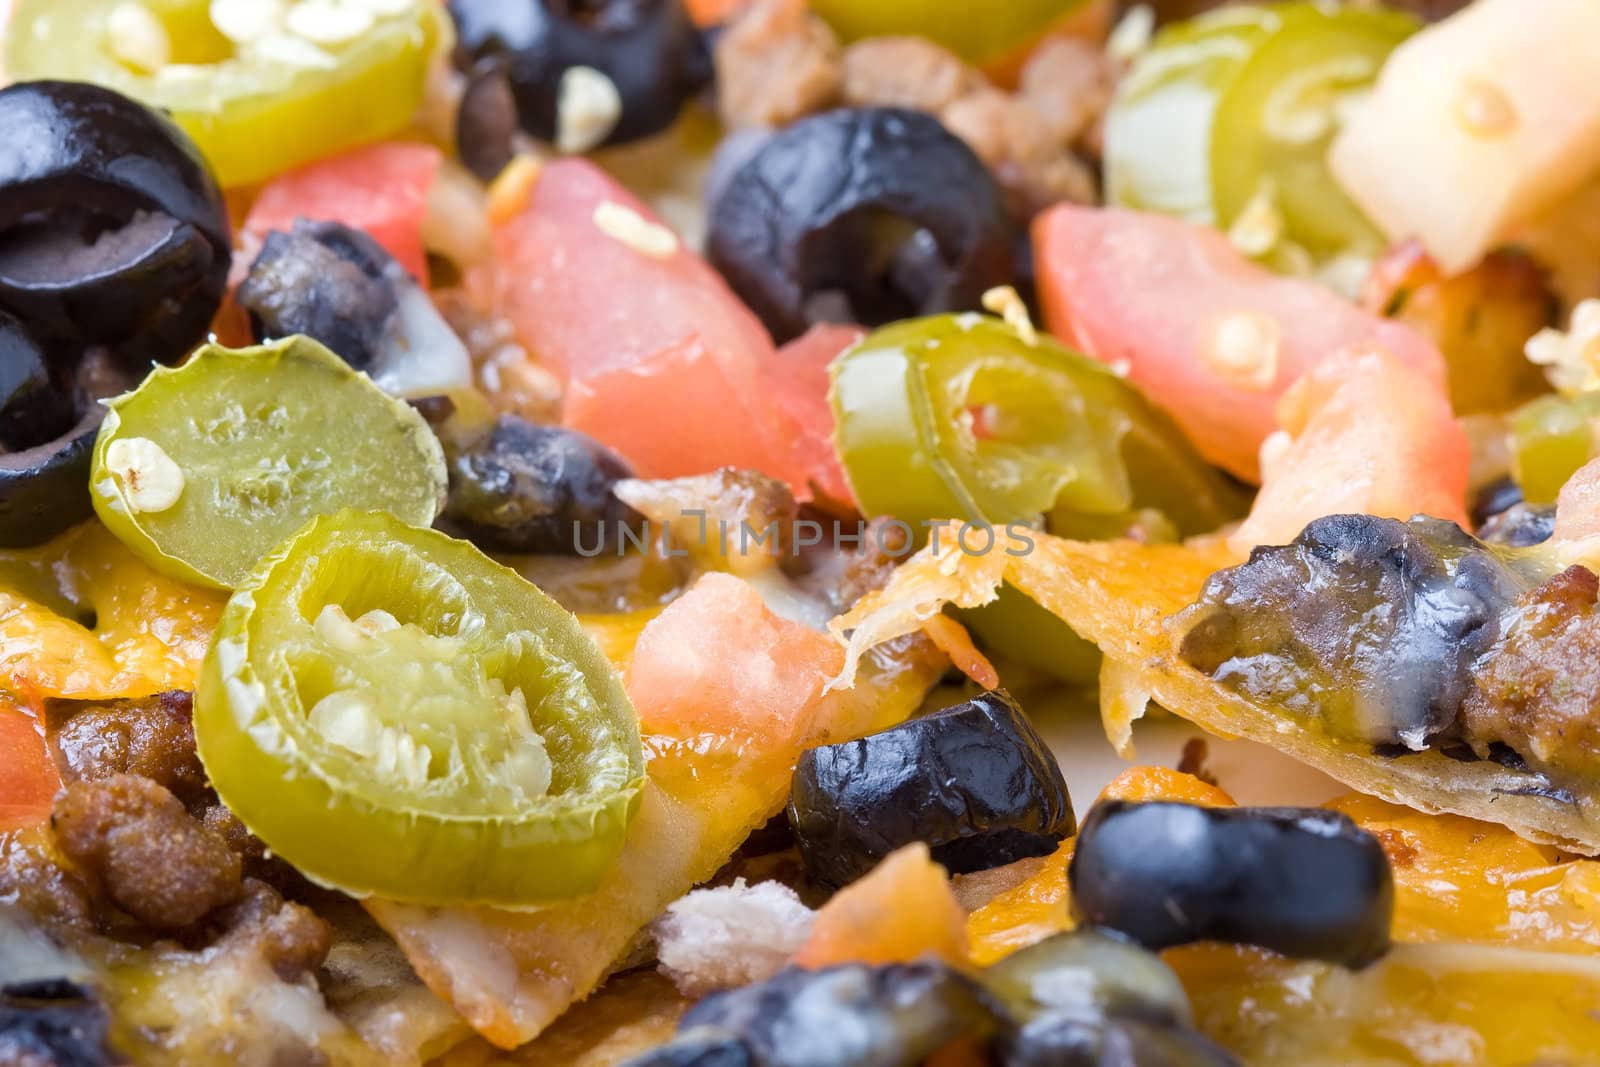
(718, 665)
(1366, 435)
(797, 381)
(586, 303)
(662, 361)
(30, 780)
(678, 412)
(902, 910)
(1206, 333)
(381, 189)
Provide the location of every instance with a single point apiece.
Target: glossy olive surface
(974, 781)
(112, 229)
(1369, 625)
(868, 215)
(650, 51)
(1304, 882)
(537, 489)
(890, 1016)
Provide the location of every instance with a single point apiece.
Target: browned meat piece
(910, 72)
(134, 838)
(152, 737)
(1539, 690)
(1068, 83)
(1034, 168)
(289, 937)
(31, 879)
(776, 63)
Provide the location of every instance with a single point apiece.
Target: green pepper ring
(324, 813)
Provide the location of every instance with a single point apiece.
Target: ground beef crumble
(1538, 690)
(134, 839)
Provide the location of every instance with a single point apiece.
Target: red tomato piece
(382, 189)
(30, 780)
(718, 666)
(586, 303)
(797, 380)
(662, 361)
(1208, 334)
(1366, 435)
(678, 412)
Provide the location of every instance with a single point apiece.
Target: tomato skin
(31, 780)
(382, 189)
(1370, 436)
(1148, 292)
(797, 380)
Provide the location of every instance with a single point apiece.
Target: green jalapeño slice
(961, 417)
(261, 85)
(206, 467)
(397, 715)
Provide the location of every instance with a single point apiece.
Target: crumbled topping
(622, 223)
(1484, 109)
(1571, 359)
(588, 107)
(138, 38)
(730, 936)
(1259, 227)
(1004, 301)
(1244, 349)
(326, 23)
(511, 188)
(247, 21)
(1132, 34)
(151, 481)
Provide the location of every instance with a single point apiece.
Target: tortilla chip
(1120, 594)
(513, 973)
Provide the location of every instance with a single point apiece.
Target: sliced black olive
(1520, 526)
(890, 1016)
(112, 230)
(486, 125)
(649, 49)
(537, 489)
(974, 781)
(868, 215)
(32, 409)
(1368, 623)
(45, 489)
(327, 281)
(1307, 883)
(53, 1023)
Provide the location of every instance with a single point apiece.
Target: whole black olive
(112, 229)
(1306, 883)
(1369, 624)
(44, 488)
(974, 781)
(338, 286)
(53, 1023)
(869, 215)
(324, 280)
(650, 50)
(537, 489)
(890, 1016)
(33, 409)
